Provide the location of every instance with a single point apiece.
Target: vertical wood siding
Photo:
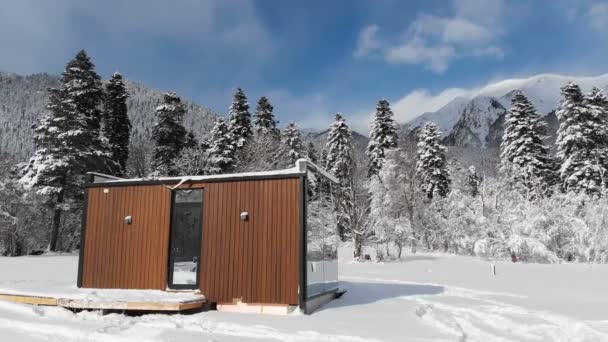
(118, 255)
(256, 261)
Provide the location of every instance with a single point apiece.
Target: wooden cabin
(254, 240)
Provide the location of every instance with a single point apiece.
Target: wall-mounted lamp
(128, 219)
(244, 216)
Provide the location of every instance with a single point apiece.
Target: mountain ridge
(476, 120)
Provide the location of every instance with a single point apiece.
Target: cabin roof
(300, 169)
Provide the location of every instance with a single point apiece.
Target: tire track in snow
(480, 317)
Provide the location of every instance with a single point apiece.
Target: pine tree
(340, 162)
(598, 102)
(191, 141)
(169, 135)
(525, 159)
(264, 122)
(116, 126)
(292, 138)
(239, 120)
(472, 181)
(579, 142)
(222, 151)
(311, 153)
(195, 159)
(323, 159)
(382, 137)
(68, 140)
(431, 166)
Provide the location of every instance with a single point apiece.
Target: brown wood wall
(124, 256)
(256, 261)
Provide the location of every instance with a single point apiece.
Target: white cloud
(458, 30)
(488, 51)
(435, 41)
(420, 101)
(598, 16)
(415, 51)
(410, 106)
(367, 41)
(450, 30)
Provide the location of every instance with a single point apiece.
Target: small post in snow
(493, 268)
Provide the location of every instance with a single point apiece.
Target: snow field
(424, 297)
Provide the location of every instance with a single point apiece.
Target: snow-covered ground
(425, 297)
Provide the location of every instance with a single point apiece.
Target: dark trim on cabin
(199, 281)
(303, 244)
(176, 181)
(170, 260)
(169, 275)
(336, 290)
(83, 231)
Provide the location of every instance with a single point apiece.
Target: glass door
(186, 231)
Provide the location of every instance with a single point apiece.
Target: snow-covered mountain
(23, 100)
(478, 120)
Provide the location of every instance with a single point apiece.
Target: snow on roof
(290, 171)
(299, 169)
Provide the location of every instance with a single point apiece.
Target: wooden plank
(144, 232)
(33, 300)
(104, 304)
(237, 245)
(267, 257)
(273, 243)
(249, 240)
(255, 238)
(130, 306)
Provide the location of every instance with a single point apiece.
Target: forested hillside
(23, 100)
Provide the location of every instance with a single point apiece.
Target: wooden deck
(104, 304)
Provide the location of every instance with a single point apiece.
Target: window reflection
(322, 237)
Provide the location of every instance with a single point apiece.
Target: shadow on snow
(360, 293)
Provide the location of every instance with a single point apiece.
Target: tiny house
(253, 239)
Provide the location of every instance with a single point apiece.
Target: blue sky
(311, 58)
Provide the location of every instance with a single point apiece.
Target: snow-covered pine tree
(382, 137)
(191, 141)
(340, 162)
(431, 167)
(239, 119)
(323, 159)
(311, 153)
(579, 145)
(68, 141)
(472, 181)
(222, 152)
(169, 135)
(525, 159)
(599, 105)
(389, 208)
(195, 160)
(116, 126)
(264, 121)
(292, 138)
(263, 150)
